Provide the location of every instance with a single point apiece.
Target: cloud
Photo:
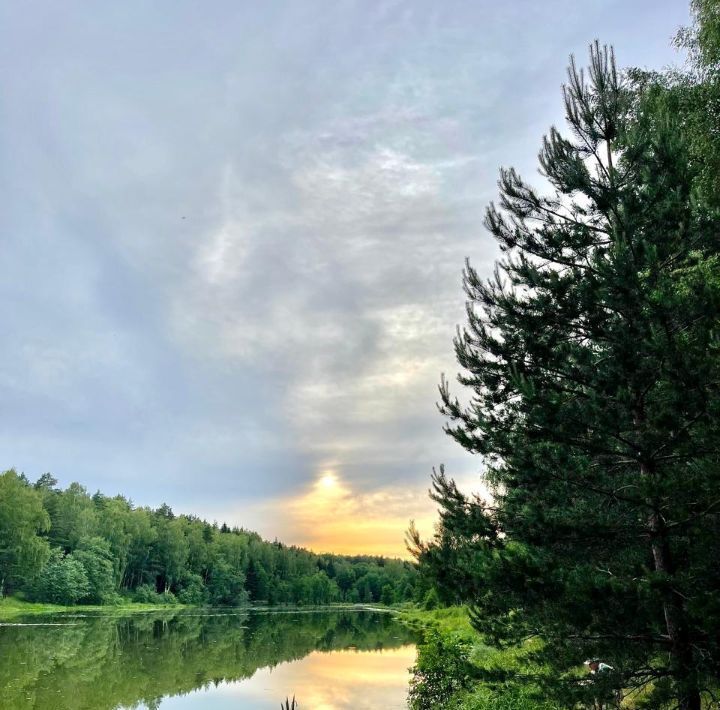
(331, 515)
(233, 235)
(332, 290)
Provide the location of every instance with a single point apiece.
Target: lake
(197, 659)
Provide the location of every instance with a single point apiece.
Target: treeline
(591, 364)
(68, 547)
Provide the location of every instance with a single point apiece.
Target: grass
(12, 607)
(453, 624)
(452, 619)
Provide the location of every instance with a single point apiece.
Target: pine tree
(591, 360)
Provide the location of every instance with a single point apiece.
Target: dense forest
(591, 364)
(67, 547)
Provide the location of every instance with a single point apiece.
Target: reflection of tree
(104, 662)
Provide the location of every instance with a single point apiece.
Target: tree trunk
(688, 693)
(674, 612)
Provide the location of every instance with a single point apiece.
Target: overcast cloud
(232, 233)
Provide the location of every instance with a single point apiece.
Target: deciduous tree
(22, 518)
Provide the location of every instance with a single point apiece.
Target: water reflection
(330, 660)
(361, 680)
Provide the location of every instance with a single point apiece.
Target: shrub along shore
(458, 669)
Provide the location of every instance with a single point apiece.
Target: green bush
(168, 598)
(442, 672)
(95, 556)
(455, 667)
(63, 580)
(387, 596)
(146, 594)
(432, 600)
(193, 590)
(226, 586)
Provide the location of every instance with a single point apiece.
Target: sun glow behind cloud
(328, 481)
(331, 516)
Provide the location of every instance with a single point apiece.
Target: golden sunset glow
(334, 514)
(330, 515)
(340, 679)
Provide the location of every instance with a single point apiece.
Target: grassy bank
(452, 619)
(453, 658)
(452, 648)
(11, 607)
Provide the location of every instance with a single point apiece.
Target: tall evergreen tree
(591, 362)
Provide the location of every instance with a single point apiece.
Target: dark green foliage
(257, 582)
(226, 585)
(104, 548)
(432, 600)
(95, 557)
(591, 358)
(146, 594)
(62, 580)
(22, 519)
(443, 670)
(193, 591)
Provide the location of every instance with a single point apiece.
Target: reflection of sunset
(381, 667)
(333, 681)
(338, 680)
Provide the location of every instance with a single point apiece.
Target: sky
(232, 235)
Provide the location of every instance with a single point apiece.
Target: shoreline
(12, 608)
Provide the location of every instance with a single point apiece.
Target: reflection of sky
(232, 237)
(357, 680)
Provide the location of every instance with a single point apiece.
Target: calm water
(188, 660)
